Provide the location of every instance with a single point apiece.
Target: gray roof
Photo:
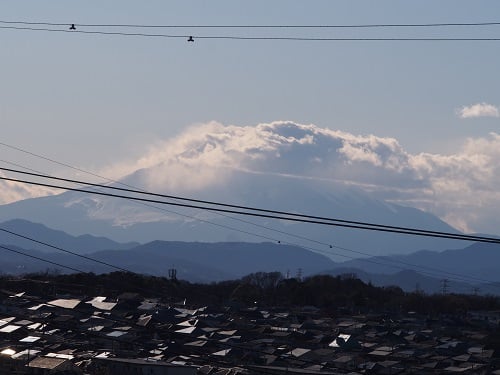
(65, 303)
(9, 328)
(46, 362)
(142, 362)
(99, 303)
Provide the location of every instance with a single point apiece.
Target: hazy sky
(95, 100)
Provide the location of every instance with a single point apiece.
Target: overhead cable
(192, 37)
(454, 276)
(286, 215)
(261, 236)
(430, 271)
(283, 216)
(421, 268)
(40, 259)
(248, 26)
(64, 250)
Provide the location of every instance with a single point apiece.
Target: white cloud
(478, 110)
(11, 191)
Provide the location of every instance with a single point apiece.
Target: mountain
(82, 244)
(207, 262)
(125, 220)
(476, 264)
(277, 166)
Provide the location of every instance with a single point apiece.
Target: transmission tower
(172, 274)
(299, 274)
(445, 284)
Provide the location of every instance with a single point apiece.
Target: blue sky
(97, 100)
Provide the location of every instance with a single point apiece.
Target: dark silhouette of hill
(217, 261)
(82, 244)
(205, 263)
(17, 264)
(239, 258)
(195, 261)
(208, 262)
(340, 294)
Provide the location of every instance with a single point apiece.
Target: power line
(455, 276)
(41, 259)
(166, 210)
(433, 271)
(192, 37)
(329, 245)
(287, 215)
(439, 272)
(52, 161)
(70, 252)
(324, 26)
(244, 221)
(64, 250)
(150, 205)
(414, 266)
(161, 208)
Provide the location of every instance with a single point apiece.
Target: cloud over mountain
(461, 188)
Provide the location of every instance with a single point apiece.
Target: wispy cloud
(11, 191)
(478, 110)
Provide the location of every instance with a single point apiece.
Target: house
(52, 365)
(126, 366)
